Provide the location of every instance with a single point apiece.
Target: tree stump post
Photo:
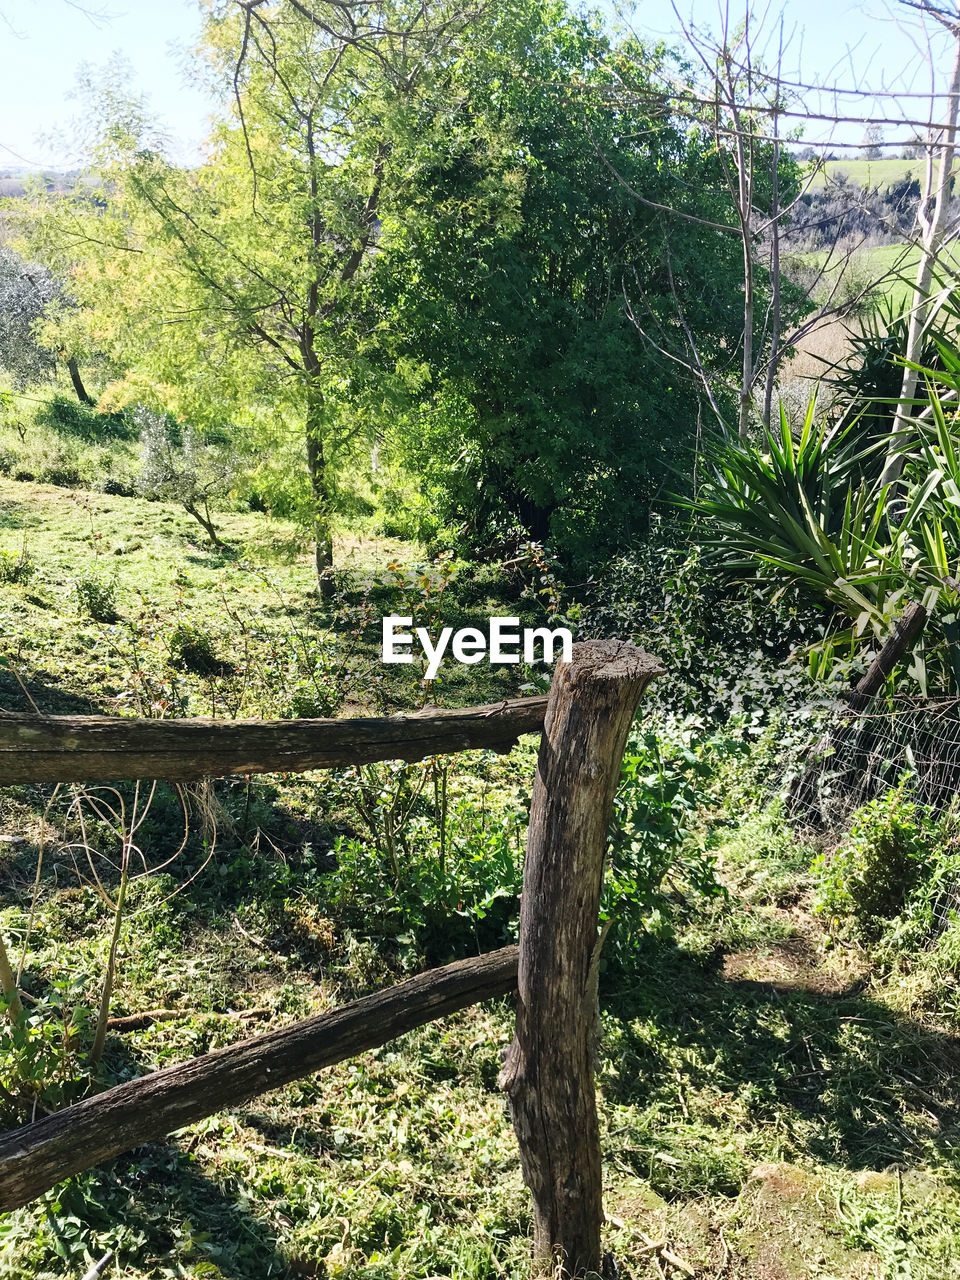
(548, 1072)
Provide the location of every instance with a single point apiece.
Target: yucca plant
(808, 507)
(796, 503)
(867, 383)
(801, 508)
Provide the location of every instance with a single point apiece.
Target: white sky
(43, 41)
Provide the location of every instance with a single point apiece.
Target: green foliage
(82, 422)
(178, 465)
(662, 789)
(877, 868)
(733, 656)
(314, 698)
(807, 509)
(792, 504)
(868, 382)
(26, 288)
(41, 1051)
(539, 407)
(192, 648)
(16, 566)
(30, 449)
(710, 1064)
(96, 596)
(435, 865)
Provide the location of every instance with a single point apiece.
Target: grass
(771, 1105)
(869, 173)
(255, 604)
(893, 265)
(760, 1101)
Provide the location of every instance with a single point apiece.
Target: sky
(42, 42)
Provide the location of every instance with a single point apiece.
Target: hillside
(868, 173)
(479, 726)
(893, 268)
(756, 1081)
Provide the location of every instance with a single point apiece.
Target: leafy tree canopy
(434, 238)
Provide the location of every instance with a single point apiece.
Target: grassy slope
(869, 173)
(893, 265)
(256, 606)
(758, 1093)
(896, 262)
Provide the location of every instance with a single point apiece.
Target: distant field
(874, 263)
(869, 173)
(903, 260)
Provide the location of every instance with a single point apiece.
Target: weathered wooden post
(548, 1072)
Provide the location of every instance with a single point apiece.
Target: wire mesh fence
(862, 755)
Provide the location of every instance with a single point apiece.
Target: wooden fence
(548, 1072)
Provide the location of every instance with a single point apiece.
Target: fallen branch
(108, 748)
(139, 1021)
(660, 1249)
(38, 1156)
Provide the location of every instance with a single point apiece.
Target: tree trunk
(933, 226)
(105, 748)
(548, 1072)
(774, 224)
(82, 394)
(320, 496)
(38, 1156)
(907, 630)
(746, 384)
(206, 524)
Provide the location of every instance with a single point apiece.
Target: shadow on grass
(170, 1214)
(211, 557)
(12, 517)
(844, 1078)
(49, 698)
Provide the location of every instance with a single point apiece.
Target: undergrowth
(773, 1087)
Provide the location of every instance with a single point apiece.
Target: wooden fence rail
(107, 748)
(549, 1070)
(38, 1156)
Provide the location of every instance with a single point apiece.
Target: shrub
(39, 1052)
(433, 861)
(116, 488)
(185, 467)
(662, 787)
(192, 649)
(16, 566)
(887, 854)
(81, 421)
(731, 654)
(96, 598)
(63, 475)
(314, 700)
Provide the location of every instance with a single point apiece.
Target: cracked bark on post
(548, 1073)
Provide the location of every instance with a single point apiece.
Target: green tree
(229, 289)
(27, 289)
(542, 408)
(427, 230)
